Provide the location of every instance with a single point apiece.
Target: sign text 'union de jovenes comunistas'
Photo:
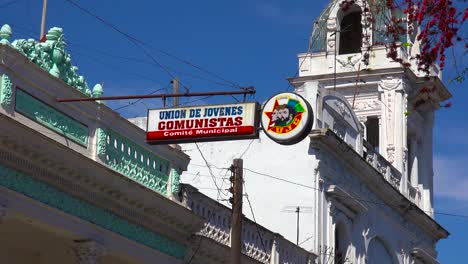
(202, 123)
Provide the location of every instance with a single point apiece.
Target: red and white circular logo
(287, 118)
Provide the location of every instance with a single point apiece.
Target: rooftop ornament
(50, 55)
(5, 34)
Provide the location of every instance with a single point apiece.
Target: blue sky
(249, 42)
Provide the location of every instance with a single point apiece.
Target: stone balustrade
(390, 173)
(258, 242)
(132, 160)
(414, 195)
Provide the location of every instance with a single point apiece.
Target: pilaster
(427, 173)
(414, 165)
(274, 259)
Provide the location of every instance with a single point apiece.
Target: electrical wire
(138, 43)
(139, 100)
(220, 192)
(196, 250)
(96, 60)
(141, 44)
(255, 221)
(305, 240)
(363, 200)
(302, 62)
(247, 149)
(72, 46)
(317, 189)
(142, 61)
(196, 100)
(198, 67)
(27, 32)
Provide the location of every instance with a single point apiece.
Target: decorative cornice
(6, 94)
(376, 182)
(42, 85)
(63, 201)
(390, 83)
(421, 254)
(348, 201)
(50, 162)
(51, 118)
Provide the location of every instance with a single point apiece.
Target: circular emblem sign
(287, 118)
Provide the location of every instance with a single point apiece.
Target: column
(414, 164)
(88, 251)
(382, 137)
(427, 172)
(274, 257)
(400, 128)
(173, 184)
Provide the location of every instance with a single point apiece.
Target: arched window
(351, 33)
(378, 253)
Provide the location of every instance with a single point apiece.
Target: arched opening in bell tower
(350, 33)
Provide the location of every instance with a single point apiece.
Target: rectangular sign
(202, 123)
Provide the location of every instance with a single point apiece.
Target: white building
(79, 183)
(364, 175)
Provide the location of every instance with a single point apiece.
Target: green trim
(55, 198)
(6, 94)
(175, 181)
(132, 160)
(51, 118)
(318, 40)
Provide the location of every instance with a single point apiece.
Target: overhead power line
(220, 192)
(141, 44)
(362, 200)
(255, 220)
(137, 101)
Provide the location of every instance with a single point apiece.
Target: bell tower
(394, 102)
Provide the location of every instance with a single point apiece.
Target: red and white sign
(287, 118)
(202, 123)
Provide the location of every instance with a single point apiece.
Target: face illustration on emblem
(274, 116)
(285, 112)
(283, 115)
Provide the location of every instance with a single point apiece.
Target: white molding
(421, 254)
(346, 202)
(57, 221)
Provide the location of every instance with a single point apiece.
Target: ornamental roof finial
(5, 34)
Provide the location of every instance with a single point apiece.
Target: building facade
(364, 176)
(79, 184)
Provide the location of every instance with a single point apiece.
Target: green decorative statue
(51, 56)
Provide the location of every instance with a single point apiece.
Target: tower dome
(356, 25)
